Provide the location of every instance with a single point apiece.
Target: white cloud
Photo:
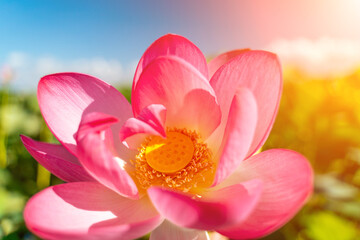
(28, 70)
(17, 59)
(108, 70)
(322, 57)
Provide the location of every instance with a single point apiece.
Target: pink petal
(221, 59)
(151, 120)
(288, 183)
(167, 230)
(212, 210)
(95, 122)
(239, 133)
(64, 97)
(260, 72)
(172, 45)
(97, 155)
(57, 160)
(185, 93)
(88, 210)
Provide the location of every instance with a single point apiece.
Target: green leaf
(327, 225)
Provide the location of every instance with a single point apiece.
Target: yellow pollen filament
(170, 154)
(180, 161)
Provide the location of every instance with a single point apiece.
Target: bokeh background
(318, 43)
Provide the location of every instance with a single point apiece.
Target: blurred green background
(319, 118)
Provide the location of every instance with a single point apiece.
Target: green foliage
(327, 225)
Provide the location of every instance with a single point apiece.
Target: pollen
(180, 161)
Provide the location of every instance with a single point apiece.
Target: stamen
(181, 161)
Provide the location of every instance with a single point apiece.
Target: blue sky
(59, 31)
(41, 36)
(67, 30)
(70, 29)
(119, 29)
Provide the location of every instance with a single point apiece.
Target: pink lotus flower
(179, 162)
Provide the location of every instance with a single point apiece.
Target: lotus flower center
(170, 154)
(180, 161)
